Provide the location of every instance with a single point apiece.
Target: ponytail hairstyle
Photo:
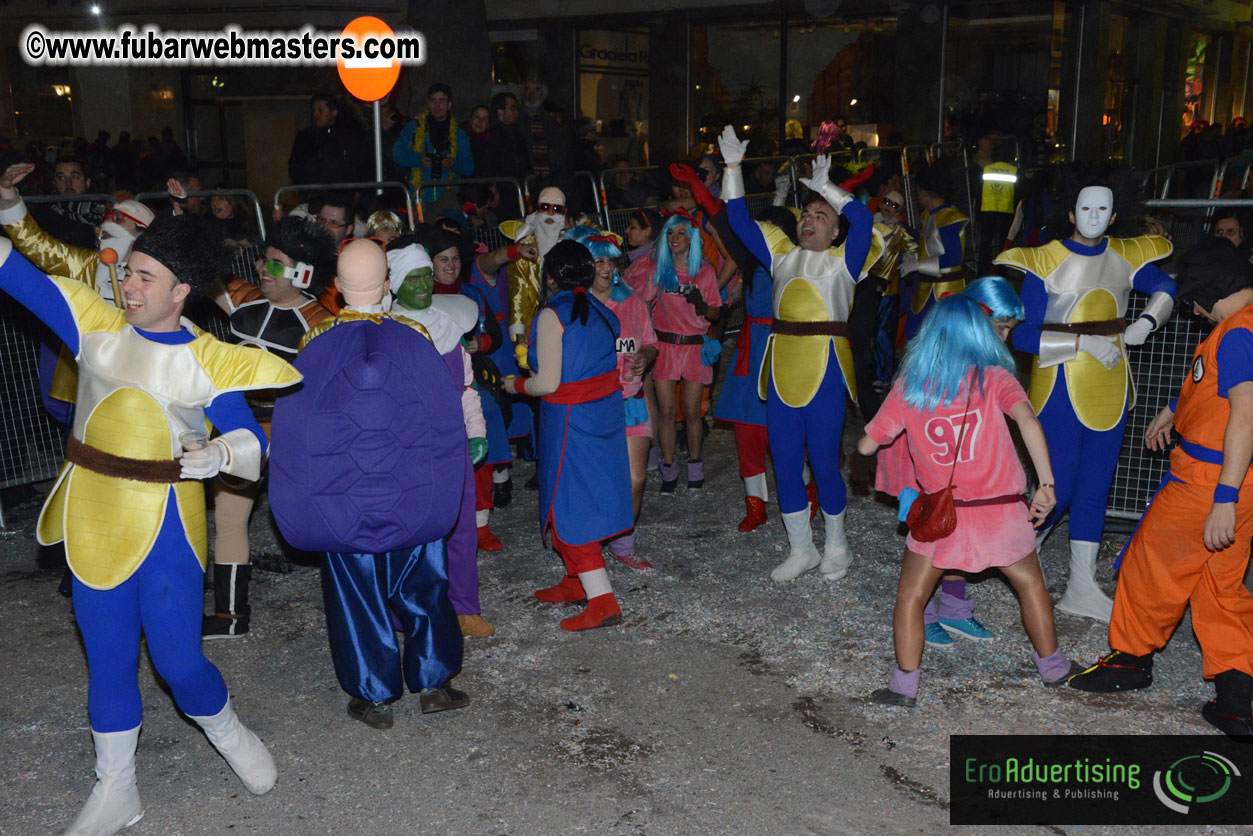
(998, 296)
(570, 266)
(955, 338)
(602, 245)
(664, 275)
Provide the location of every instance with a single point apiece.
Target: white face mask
(1094, 209)
(115, 237)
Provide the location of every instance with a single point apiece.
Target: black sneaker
(376, 715)
(1116, 672)
(215, 626)
(1232, 725)
(886, 696)
(442, 698)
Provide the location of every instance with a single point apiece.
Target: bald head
(362, 273)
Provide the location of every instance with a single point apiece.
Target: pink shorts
(986, 537)
(681, 362)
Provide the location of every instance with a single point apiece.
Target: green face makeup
(415, 291)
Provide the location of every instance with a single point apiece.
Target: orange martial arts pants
(1167, 567)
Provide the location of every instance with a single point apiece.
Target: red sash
(585, 391)
(744, 343)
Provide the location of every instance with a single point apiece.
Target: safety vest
(998, 187)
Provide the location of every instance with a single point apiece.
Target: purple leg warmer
(669, 472)
(905, 683)
(928, 613)
(463, 553)
(623, 546)
(1051, 668)
(955, 606)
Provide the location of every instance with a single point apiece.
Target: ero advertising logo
(1053, 780)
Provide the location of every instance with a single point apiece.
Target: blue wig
(664, 276)
(600, 245)
(956, 337)
(998, 295)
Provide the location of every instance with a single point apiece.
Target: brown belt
(680, 339)
(1101, 328)
(955, 276)
(165, 471)
(1008, 499)
(809, 329)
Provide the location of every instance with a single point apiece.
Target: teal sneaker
(967, 628)
(936, 636)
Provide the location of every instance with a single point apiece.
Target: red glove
(687, 175)
(858, 178)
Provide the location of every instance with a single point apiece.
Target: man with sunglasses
(543, 227)
(273, 315)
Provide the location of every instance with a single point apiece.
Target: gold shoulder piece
(417, 326)
(1041, 260)
(237, 368)
(949, 216)
(1141, 250)
(317, 330)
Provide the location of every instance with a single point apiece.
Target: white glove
(1104, 349)
(206, 462)
(821, 174)
(909, 263)
(1138, 331)
(732, 147)
(528, 227)
(782, 185)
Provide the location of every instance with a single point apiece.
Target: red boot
(812, 490)
(488, 541)
(755, 514)
(602, 611)
(569, 591)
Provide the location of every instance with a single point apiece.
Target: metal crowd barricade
(93, 197)
(1245, 161)
(969, 208)
(415, 213)
(209, 193)
(758, 202)
(649, 178)
(911, 155)
(1160, 181)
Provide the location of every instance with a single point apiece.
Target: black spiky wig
(188, 247)
(301, 239)
(1125, 183)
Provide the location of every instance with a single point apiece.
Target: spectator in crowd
(74, 221)
(624, 190)
(763, 178)
(506, 154)
(189, 203)
(334, 213)
(584, 153)
(333, 149)
(545, 143)
(479, 136)
(434, 147)
(234, 214)
(1235, 226)
(641, 229)
(384, 225)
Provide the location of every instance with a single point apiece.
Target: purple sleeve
(1235, 359)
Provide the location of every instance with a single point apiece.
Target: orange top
(1201, 414)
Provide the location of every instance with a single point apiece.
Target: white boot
(242, 749)
(835, 554)
(756, 486)
(1083, 597)
(803, 555)
(114, 800)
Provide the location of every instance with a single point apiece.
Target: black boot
(1116, 672)
(1231, 709)
(502, 493)
(230, 602)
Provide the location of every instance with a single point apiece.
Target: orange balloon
(368, 79)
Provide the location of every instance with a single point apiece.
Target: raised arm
(39, 294)
(745, 228)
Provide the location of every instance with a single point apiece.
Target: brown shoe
(443, 698)
(476, 626)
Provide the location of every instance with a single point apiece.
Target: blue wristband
(1226, 493)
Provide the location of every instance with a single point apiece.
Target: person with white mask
(543, 227)
(1075, 293)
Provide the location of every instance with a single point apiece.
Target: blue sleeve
(913, 233)
(1235, 359)
(402, 151)
(463, 163)
(1174, 404)
(1150, 279)
(951, 238)
(747, 230)
(860, 236)
(41, 296)
(1034, 302)
(229, 411)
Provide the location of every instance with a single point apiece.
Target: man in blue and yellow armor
(808, 363)
(941, 248)
(129, 504)
(1075, 294)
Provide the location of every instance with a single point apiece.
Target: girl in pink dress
(637, 350)
(683, 292)
(951, 395)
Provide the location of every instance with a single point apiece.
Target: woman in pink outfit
(951, 395)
